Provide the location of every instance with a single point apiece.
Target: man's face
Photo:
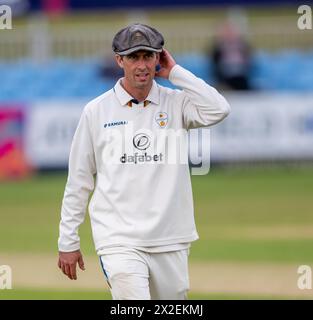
(139, 68)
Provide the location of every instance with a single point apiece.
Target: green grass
(28, 294)
(254, 250)
(254, 196)
(35, 294)
(230, 204)
(232, 199)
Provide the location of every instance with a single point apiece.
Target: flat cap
(137, 37)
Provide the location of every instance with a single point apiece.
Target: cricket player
(141, 208)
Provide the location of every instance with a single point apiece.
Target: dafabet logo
(5, 277)
(5, 17)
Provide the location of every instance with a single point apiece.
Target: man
(142, 209)
(231, 57)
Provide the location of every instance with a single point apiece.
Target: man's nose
(141, 64)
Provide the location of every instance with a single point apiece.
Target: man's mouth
(142, 76)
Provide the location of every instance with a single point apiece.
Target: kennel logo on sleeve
(5, 277)
(5, 17)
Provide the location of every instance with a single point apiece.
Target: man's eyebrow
(132, 55)
(135, 55)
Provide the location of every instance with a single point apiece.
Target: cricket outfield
(255, 226)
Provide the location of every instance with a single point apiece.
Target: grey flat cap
(137, 37)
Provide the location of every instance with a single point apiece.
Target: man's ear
(119, 60)
(157, 58)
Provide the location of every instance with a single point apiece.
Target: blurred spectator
(231, 58)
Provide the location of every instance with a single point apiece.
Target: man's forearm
(80, 184)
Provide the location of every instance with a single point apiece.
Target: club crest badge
(161, 118)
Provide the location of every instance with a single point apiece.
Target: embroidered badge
(161, 118)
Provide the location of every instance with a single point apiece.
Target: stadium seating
(25, 80)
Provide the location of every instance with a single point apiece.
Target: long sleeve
(79, 185)
(202, 104)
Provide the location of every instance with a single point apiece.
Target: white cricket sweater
(142, 194)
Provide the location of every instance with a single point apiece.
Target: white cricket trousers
(138, 275)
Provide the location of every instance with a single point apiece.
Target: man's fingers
(167, 62)
(81, 263)
(67, 262)
(68, 271)
(63, 268)
(73, 271)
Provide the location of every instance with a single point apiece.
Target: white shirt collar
(124, 97)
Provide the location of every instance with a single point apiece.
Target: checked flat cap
(137, 37)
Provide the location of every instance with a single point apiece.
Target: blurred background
(253, 210)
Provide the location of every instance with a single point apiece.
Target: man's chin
(143, 84)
